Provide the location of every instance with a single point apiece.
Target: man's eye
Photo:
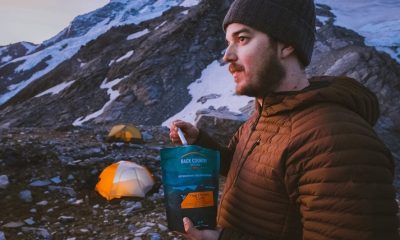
(242, 39)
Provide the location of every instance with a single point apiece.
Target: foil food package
(190, 179)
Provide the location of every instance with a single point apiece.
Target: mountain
(125, 53)
(132, 61)
(17, 73)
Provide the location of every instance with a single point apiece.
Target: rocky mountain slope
(152, 68)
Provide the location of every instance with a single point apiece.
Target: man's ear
(286, 50)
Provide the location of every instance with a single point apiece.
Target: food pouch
(190, 179)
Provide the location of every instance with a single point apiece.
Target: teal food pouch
(190, 179)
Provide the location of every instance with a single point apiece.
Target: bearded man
(307, 164)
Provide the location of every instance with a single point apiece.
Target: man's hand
(193, 233)
(191, 132)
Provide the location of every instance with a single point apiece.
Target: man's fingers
(181, 124)
(190, 230)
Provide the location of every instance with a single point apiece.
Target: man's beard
(268, 80)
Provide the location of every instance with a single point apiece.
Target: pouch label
(198, 200)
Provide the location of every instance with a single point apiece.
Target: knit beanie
(289, 21)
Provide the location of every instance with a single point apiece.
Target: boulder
(219, 124)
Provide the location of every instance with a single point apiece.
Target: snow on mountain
(29, 46)
(137, 34)
(83, 29)
(56, 89)
(215, 88)
(377, 20)
(189, 3)
(6, 58)
(113, 95)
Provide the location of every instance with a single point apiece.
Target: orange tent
(124, 179)
(125, 133)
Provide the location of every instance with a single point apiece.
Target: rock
(29, 221)
(204, 99)
(147, 136)
(220, 125)
(40, 233)
(42, 203)
(162, 227)
(154, 236)
(64, 190)
(344, 64)
(13, 225)
(128, 211)
(132, 228)
(56, 180)
(25, 196)
(74, 201)
(129, 204)
(40, 183)
(150, 224)
(66, 219)
(143, 230)
(4, 182)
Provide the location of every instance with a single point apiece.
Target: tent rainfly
(124, 179)
(125, 133)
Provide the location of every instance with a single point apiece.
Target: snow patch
(137, 34)
(127, 55)
(29, 46)
(185, 12)
(111, 63)
(215, 79)
(190, 3)
(6, 58)
(323, 19)
(56, 89)
(113, 95)
(376, 20)
(162, 24)
(15, 88)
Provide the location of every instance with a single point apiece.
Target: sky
(38, 20)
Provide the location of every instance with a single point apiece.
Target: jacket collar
(336, 90)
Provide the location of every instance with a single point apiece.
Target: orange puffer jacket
(308, 165)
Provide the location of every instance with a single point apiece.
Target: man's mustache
(235, 68)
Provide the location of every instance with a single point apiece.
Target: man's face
(253, 61)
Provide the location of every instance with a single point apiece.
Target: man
(307, 164)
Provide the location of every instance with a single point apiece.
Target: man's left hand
(193, 233)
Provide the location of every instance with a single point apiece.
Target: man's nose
(230, 55)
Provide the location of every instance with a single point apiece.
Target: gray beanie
(289, 21)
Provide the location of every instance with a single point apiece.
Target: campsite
(52, 199)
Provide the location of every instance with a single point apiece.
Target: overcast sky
(38, 20)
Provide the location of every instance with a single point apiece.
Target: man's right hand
(191, 132)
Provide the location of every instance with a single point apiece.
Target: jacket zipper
(252, 129)
(255, 144)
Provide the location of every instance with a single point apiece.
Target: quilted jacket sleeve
(226, 152)
(339, 175)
